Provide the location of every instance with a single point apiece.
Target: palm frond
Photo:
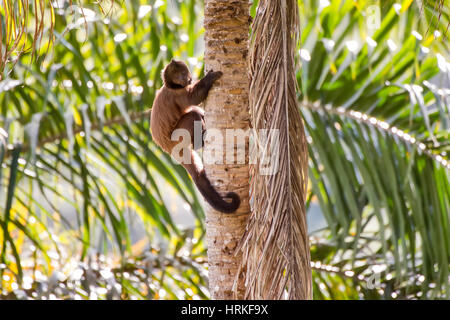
(88, 174)
(378, 133)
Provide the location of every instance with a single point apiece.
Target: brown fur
(175, 106)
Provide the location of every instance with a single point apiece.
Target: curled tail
(198, 174)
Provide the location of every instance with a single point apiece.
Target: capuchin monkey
(175, 107)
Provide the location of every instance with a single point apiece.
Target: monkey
(176, 107)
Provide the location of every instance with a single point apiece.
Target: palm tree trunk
(226, 38)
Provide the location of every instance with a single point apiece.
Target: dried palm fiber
(275, 245)
(24, 24)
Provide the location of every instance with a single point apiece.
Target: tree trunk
(226, 39)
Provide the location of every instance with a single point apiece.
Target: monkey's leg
(188, 121)
(198, 110)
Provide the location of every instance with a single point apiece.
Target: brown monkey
(175, 107)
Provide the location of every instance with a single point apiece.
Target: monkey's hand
(214, 75)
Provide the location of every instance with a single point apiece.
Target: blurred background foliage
(90, 208)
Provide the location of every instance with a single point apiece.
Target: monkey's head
(176, 75)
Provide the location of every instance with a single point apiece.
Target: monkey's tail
(198, 174)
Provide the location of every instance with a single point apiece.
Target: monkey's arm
(198, 92)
